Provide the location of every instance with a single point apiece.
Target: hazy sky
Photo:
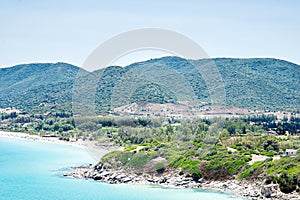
(57, 30)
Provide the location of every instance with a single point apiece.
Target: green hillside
(29, 85)
(258, 83)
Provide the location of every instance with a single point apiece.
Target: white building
(291, 152)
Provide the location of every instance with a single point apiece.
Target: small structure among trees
(291, 152)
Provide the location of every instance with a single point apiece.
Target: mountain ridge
(254, 83)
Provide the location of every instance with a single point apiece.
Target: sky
(68, 31)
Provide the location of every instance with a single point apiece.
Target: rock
(268, 190)
(253, 193)
(242, 188)
(120, 176)
(105, 173)
(149, 179)
(106, 166)
(126, 180)
(163, 180)
(97, 177)
(119, 164)
(156, 180)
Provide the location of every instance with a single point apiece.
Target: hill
(257, 83)
(28, 85)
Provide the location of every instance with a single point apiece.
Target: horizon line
(145, 60)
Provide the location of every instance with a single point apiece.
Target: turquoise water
(32, 170)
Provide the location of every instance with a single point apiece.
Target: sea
(31, 170)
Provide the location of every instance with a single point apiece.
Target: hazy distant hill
(15, 80)
(258, 83)
(28, 85)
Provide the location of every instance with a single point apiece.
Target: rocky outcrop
(269, 191)
(113, 176)
(242, 188)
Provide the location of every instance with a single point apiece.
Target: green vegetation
(285, 172)
(133, 147)
(228, 157)
(160, 167)
(49, 87)
(199, 148)
(130, 159)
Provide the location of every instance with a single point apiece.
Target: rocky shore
(241, 188)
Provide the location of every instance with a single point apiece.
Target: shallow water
(32, 170)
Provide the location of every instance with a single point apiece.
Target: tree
(244, 130)
(169, 130)
(231, 129)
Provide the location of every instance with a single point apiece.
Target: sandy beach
(97, 151)
(54, 140)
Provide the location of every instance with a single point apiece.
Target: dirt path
(256, 158)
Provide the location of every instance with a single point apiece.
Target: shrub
(110, 155)
(138, 160)
(152, 154)
(267, 153)
(195, 173)
(287, 184)
(160, 167)
(190, 153)
(248, 172)
(124, 157)
(233, 166)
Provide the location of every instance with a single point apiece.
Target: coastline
(26, 136)
(96, 151)
(245, 189)
(170, 179)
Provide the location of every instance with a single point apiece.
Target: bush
(110, 155)
(250, 169)
(267, 153)
(233, 166)
(287, 184)
(195, 172)
(152, 154)
(190, 153)
(124, 157)
(160, 167)
(138, 160)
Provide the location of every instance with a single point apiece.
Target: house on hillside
(291, 152)
(271, 132)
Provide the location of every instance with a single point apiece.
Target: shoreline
(54, 140)
(252, 190)
(170, 179)
(95, 151)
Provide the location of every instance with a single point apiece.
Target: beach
(241, 188)
(55, 140)
(96, 150)
(33, 170)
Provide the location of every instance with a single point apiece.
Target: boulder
(97, 177)
(268, 190)
(126, 180)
